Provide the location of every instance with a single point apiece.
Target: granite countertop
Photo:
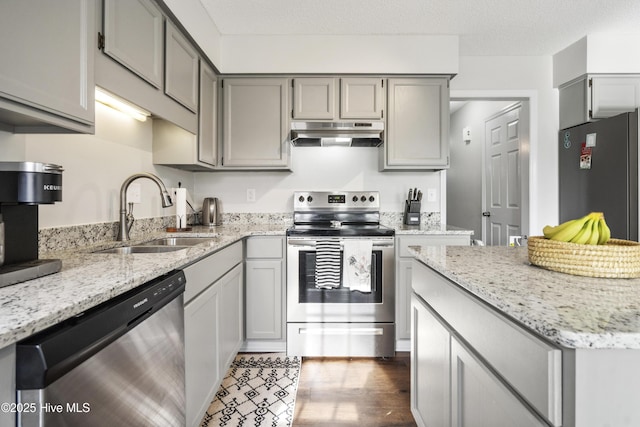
(572, 311)
(88, 279)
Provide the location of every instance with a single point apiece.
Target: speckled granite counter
(88, 279)
(572, 311)
(426, 229)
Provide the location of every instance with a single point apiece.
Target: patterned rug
(259, 390)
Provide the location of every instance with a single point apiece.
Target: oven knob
(355, 198)
(363, 199)
(301, 199)
(309, 199)
(371, 198)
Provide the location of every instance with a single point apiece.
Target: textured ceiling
(484, 27)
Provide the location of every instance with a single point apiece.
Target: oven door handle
(307, 243)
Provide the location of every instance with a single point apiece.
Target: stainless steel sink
(140, 249)
(177, 241)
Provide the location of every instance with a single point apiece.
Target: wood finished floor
(337, 392)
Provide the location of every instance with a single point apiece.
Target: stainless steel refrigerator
(598, 172)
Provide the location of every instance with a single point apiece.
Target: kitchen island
(513, 344)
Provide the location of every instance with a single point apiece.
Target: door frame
(529, 101)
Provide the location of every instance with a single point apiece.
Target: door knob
(486, 213)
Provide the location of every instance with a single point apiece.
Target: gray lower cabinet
(8, 384)
(133, 36)
(255, 123)
(47, 72)
(500, 374)
(417, 133)
(213, 325)
(265, 326)
(430, 368)
(479, 397)
(404, 261)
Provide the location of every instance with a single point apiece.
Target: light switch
(466, 134)
(432, 195)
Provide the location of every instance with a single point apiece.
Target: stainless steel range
(340, 276)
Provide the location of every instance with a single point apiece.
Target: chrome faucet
(126, 219)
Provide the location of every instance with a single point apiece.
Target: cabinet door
(361, 98)
(403, 299)
(255, 123)
(133, 37)
(314, 98)
(231, 316)
(181, 69)
(202, 366)
(430, 368)
(47, 59)
(264, 299)
(479, 398)
(207, 117)
(417, 124)
(612, 95)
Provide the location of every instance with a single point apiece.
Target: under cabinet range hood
(341, 134)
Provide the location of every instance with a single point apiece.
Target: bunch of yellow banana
(590, 229)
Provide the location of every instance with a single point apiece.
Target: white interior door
(503, 180)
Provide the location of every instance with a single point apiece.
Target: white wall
(522, 77)
(315, 168)
(95, 167)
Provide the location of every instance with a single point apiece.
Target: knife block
(411, 212)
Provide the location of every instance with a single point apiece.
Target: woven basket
(617, 259)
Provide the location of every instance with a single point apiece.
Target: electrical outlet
(432, 195)
(133, 193)
(251, 194)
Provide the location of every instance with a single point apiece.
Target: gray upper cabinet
(417, 124)
(181, 67)
(329, 98)
(208, 116)
(47, 74)
(133, 37)
(314, 98)
(361, 98)
(594, 97)
(255, 123)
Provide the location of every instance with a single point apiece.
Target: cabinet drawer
(206, 271)
(530, 365)
(433, 239)
(265, 247)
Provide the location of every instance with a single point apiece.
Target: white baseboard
(263, 347)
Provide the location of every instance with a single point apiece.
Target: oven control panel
(338, 200)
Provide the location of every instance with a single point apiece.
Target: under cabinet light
(119, 104)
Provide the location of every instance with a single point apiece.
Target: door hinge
(100, 41)
(222, 161)
(382, 114)
(292, 114)
(591, 114)
(222, 83)
(292, 84)
(382, 82)
(590, 82)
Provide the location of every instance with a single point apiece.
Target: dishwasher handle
(48, 355)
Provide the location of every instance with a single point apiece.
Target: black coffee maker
(24, 186)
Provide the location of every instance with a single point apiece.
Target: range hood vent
(341, 134)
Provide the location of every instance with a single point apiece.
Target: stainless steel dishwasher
(120, 363)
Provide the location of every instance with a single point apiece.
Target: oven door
(307, 303)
